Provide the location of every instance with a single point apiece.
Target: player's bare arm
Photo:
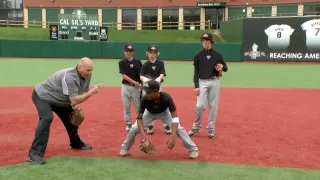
(144, 79)
(139, 118)
(159, 79)
(162, 73)
(127, 78)
(83, 97)
(175, 123)
(140, 124)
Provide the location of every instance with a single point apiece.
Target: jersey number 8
(279, 34)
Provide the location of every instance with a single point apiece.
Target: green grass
(114, 35)
(76, 168)
(178, 73)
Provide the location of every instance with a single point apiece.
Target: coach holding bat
(61, 93)
(208, 67)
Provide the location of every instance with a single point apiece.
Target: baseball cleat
(210, 134)
(194, 155)
(150, 130)
(84, 147)
(128, 126)
(35, 159)
(168, 130)
(124, 152)
(193, 132)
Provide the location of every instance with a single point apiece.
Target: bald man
(61, 93)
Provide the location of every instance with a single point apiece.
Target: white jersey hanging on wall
(279, 36)
(312, 28)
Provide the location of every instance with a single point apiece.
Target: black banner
(53, 31)
(281, 39)
(103, 33)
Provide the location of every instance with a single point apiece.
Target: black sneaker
(210, 134)
(128, 126)
(84, 147)
(35, 159)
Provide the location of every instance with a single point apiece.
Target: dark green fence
(108, 50)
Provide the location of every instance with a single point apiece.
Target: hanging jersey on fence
(312, 28)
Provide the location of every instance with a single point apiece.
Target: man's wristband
(175, 120)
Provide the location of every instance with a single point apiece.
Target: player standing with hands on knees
(158, 105)
(153, 69)
(129, 68)
(61, 93)
(208, 64)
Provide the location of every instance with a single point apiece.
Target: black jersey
(131, 69)
(205, 63)
(165, 101)
(153, 70)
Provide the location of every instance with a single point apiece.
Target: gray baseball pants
(130, 94)
(167, 119)
(209, 93)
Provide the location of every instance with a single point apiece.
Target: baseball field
(267, 127)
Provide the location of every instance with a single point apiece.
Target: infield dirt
(255, 126)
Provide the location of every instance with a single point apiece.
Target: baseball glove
(146, 146)
(220, 73)
(77, 117)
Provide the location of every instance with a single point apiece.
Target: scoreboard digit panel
(78, 27)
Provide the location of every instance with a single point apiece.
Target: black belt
(129, 84)
(210, 78)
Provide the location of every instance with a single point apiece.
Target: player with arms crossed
(207, 65)
(61, 93)
(158, 105)
(129, 68)
(153, 69)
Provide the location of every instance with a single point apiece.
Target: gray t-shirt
(64, 83)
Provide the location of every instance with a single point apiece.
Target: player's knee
(134, 128)
(46, 119)
(213, 105)
(201, 106)
(180, 128)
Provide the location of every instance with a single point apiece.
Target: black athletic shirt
(153, 70)
(131, 69)
(205, 63)
(165, 101)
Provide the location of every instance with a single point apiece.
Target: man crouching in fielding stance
(158, 105)
(61, 93)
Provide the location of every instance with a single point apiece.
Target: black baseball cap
(207, 36)
(152, 48)
(151, 86)
(128, 47)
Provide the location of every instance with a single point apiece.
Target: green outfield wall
(109, 50)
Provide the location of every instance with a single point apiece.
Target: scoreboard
(78, 26)
(74, 27)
